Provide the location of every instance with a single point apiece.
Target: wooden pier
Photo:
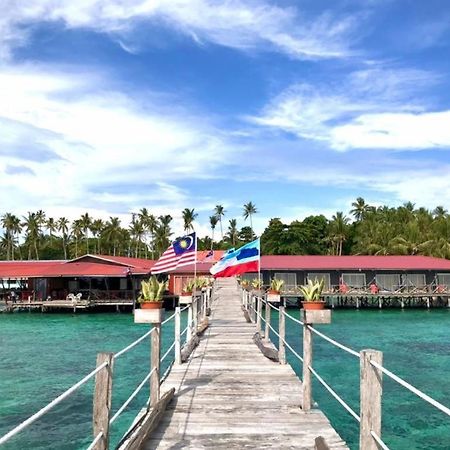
(228, 395)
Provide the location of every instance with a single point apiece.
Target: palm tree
(52, 227)
(33, 234)
(189, 217)
(439, 212)
(77, 233)
(360, 209)
(338, 231)
(96, 229)
(137, 232)
(219, 211)
(249, 210)
(12, 226)
(112, 233)
(233, 231)
(163, 233)
(213, 222)
(86, 223)
(63, 228)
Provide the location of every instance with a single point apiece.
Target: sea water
(41, 355)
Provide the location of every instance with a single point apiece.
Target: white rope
(273, 307)
(168, 319)
(379, 441)
(273, 329)
(184, 309)
(334, 394)
(51, 405)
(293, 318)
(184, 331)
(411, 388)
(94, 442)
(136, 342)
(332, 341)
(168, 351)
(131, 397)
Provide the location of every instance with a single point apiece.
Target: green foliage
(245, 284)
(189, 287)
(257, 283)
(152, 290)
(276, 284)
(313, 290)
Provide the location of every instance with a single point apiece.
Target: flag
(209, 256)
(242, 260)
(182, 252)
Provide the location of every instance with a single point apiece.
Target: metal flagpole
(195, 263)
(259, 260)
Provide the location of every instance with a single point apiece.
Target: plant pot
(146, 315)
(258, 292)
(151, 305)
(317, 305)
(273, 292)
(273, 296)
(185, 298)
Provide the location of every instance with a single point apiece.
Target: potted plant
(199, 285)
(273, 294)
(257, 285)
(245, 284)
(186, 293)
(151, 294)
(312, 293)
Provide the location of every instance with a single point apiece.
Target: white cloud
(240, 24)
(92, 146)
(370, 109)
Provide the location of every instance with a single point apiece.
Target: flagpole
(195, 263)
(259, 260)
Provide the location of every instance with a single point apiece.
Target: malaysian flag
(182, 252)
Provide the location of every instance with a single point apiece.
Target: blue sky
(299, 106)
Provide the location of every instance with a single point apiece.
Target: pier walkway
(228, 395)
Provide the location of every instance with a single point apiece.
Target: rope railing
(98, 369)
(51, 405)
(379, 441)
(335, 343)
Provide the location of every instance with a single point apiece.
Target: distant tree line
(36, 236)
(382, 230)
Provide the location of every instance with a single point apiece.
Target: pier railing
(371, 370)
(103, 418)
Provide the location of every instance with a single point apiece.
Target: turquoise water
(42, 355)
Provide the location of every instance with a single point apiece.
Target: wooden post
(189, 331)
(258, 316)
(371, 391)
(155, 363)
(307, 361)
(102, 400)
(195, 313)
(267, 319)
(177, 335)
(282, 333)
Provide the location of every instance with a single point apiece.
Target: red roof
(117, 266)
(363, 262)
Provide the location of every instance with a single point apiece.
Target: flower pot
(273, 296)
(314, 305)
(185, 298)
(151, 305)
(258, 292)
(146, 315)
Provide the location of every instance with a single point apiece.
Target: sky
(298, 106)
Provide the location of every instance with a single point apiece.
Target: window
(123, 284)
(354, 280)
(290, 280)
(319, 277)
(388, 282)
(444, 279)
(414, 280)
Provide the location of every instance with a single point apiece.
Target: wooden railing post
(258, 315)
(102, 400)
(177, 335)
(155, 364)
(282, 333)
(189, 331)
(267, 321)
(371, 391)
(307, 361)
(195, 314)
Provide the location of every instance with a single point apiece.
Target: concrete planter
(315, 316)
(273, 298)
(185, 299)
(148, 315)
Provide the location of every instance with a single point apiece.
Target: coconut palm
(137, 232)
(112, 233)
(77, 233)
(51, 226)
(360, 209)
(338, 231)
(189, 217)
(440, 212)
(33, 234)
(219, 212)
(249, 210)
(12, 227)
(63, 228)
(233, 231)
(213, 222)
(96, 229)
(149, 222)
(86, 223)
(163, 233)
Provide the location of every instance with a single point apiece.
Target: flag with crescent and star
(182, 252)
